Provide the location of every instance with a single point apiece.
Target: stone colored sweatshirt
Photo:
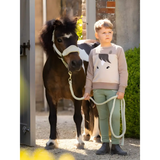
(107, 69)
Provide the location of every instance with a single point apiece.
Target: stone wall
(128, 23)
(74, 5)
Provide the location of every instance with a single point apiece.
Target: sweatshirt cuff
(121, 89)
(87, 90)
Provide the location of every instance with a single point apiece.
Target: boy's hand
(86, 96)
(120, 95)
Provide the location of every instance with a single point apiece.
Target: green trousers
(101, 95)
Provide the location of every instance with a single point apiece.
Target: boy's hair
(103, 23)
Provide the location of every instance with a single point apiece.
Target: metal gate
(27, 72)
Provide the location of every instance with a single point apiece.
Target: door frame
(32, 70)
(28, 138)
(90, 18)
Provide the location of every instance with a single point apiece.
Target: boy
(107, 75)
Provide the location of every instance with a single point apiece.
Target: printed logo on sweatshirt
(106, 67)
(104, 58)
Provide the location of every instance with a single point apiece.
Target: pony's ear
(75, 19)
(57, 23)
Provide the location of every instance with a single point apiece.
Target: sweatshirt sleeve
(123, 73)
(90, 74)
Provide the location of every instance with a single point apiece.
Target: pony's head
(59, 37)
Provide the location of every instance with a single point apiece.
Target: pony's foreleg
(87, 132)
(77, 117)
(52, 143)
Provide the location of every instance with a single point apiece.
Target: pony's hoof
(50, 146)
(86, 137)
(97, 139)
(80, 146)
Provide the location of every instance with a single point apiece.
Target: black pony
(59, 40)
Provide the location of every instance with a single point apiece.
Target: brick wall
(101, 13)
(84, 18)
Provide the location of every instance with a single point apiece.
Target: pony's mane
(64, 25)
(69, 25)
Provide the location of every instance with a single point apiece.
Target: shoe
(104, 149)
(116, 149)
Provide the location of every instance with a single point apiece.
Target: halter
(68, 50)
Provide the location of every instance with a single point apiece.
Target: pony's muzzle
(75, 65)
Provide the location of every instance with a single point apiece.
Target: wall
(73, 4)
(101, 13)
(128, 23)
(53, 11)
(84, 18)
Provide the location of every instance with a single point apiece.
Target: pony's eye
(59, 40)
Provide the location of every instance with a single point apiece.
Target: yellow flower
(66, 156)
(42, 154)
(24, 155)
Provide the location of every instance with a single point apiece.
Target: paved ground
(66, 141)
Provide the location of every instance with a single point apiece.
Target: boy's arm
(123, 73)
(89, 77)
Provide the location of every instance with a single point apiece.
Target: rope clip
(70, 75)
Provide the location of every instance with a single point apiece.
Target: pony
(59, 40)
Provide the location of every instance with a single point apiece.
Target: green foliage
(132, 93)
(79, 28)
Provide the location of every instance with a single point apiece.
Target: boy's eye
(106, 33)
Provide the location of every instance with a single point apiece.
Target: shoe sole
(112, 153)
(102, 153)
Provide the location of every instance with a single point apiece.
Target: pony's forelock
(69, 25)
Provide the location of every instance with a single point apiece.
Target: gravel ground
(66, 140)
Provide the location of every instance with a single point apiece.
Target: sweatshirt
(107, 69)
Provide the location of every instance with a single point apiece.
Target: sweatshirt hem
(105, 86)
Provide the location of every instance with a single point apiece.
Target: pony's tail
(45, 36)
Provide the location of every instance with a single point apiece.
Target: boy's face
(104, 35)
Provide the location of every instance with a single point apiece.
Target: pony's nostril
(73, 64)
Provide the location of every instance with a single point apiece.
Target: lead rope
(110, 119)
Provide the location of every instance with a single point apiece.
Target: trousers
(101, 95)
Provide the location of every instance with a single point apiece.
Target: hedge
(132, 93)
